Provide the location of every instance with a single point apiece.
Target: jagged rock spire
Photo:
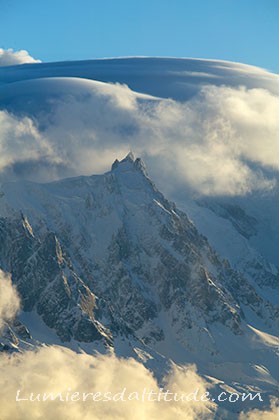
(130, 157)
(136, 162)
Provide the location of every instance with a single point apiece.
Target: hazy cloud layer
(222, 141)
(11, 58)
(56, 369)
(9, 300)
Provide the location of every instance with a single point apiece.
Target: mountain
(108, 263)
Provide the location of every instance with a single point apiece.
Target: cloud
(272, 414)
(222, 141)
(59, 370)
(9, 300)
(24, 150)
(226, 141)
(11, 58)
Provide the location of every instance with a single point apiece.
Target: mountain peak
(130, 157)
(136, 163)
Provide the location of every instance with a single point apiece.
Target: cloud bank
(59, 370)
(11, 58)
(9, 300)
(222, 141)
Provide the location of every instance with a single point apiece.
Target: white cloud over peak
(10, 57)
(222, 141)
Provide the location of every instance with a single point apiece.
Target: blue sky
(53, 30)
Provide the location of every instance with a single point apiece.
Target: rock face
(13, 335)
(47, 283)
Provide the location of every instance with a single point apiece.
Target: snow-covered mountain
(106, 262)
(108, 259)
